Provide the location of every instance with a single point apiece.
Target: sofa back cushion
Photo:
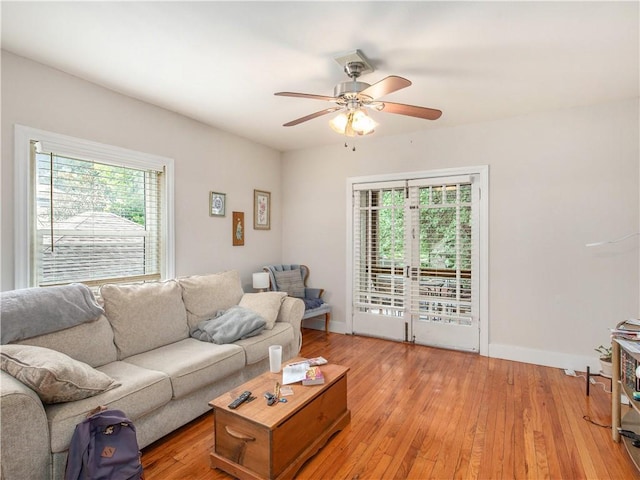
(145, 316)
(91, 343)
(205, 295)
(31, 312)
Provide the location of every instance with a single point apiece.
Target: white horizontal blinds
(95, 222)
(441, 276)
(379, 246)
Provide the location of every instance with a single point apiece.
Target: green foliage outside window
(442, 210)
(80, 186)
(390, 228)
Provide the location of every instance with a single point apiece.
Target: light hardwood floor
(425, 413)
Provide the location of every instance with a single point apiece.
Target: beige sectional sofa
(162, 378)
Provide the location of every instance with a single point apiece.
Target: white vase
(605, 368)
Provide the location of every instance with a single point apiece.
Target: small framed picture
(261, 210)
(217, 204)
(237, 228)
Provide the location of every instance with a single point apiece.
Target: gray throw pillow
(290, 281)
(54, 376)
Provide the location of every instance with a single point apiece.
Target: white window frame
(481, 174)
(82, 150)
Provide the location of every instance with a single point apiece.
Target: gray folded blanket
(30, 312)
(230, 325)
(311, 303)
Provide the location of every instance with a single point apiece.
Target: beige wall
(557, 181)
(205, 159)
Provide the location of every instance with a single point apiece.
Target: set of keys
(273, 398)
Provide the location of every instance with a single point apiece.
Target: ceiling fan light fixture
(362, 123)
(352, 123)
(339, 123)
(350, 98)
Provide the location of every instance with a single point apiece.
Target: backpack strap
(98, 409)
(109, 417)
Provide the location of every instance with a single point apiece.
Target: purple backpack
(104, 447)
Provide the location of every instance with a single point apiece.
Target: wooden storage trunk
(257, 441)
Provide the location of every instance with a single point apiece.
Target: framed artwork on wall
(217, 204)
(237, 227)
(261, 210)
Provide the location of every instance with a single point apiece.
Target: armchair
(293, 280)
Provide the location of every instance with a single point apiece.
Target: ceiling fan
(353, 98)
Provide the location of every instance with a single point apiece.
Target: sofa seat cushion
(192, 364)
(257, 348)
(141, 391)
(145, 316)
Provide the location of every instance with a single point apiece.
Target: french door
(415, 261)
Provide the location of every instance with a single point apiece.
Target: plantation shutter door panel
(95, 222)
(444, 255)
(379, 259)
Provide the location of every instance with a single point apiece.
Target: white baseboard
(545, 358)
(318, 324)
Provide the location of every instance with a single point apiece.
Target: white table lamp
(261, 281)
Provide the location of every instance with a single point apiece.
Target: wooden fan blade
(311, 116)
(386, 86)
(306, 95)
(412, 110)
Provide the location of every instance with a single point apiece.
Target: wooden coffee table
(257, 441)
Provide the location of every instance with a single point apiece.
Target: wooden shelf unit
(631, 420)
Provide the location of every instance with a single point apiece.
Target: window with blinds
(441, 280)
(413, 250)
(94, 222)
(379, 249)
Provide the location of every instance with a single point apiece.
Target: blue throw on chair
(293, 280)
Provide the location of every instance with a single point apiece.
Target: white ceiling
(221, 62)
